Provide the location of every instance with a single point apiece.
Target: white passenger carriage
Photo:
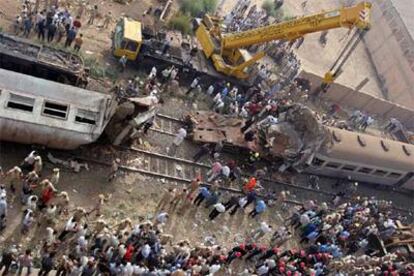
(38, 111)
(366, 158)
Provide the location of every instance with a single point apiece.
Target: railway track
(169, 125)
(166, 124)
(177, 170)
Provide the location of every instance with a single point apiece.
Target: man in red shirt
(77, 23)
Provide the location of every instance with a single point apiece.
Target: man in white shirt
(179, 138)
(218, 209)
(261, 231)
(193, 85)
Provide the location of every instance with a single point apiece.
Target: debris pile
(294, 137)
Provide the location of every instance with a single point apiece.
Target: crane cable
(344, 56)
(348, 50)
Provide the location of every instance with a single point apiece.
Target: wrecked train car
(365, 158)
(39, 111)
(300, 141)
(23, 56)
(129, 118)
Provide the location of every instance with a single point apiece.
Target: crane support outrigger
(228, 53)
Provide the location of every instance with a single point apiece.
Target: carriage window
(317, 162)
(20, 102)
(86, 117)
(55, 110)
(349, 168)
(380, 173)
(394, 175)
(333, 165)
(365, 170)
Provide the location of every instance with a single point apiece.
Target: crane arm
(349, 17)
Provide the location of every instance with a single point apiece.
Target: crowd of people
(56, 24)
(342, 237)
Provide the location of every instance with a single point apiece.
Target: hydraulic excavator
(229, 56)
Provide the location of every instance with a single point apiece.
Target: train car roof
(371, 150)
(17, 82)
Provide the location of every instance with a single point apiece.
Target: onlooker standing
(25, 260)
(218, 209)
(61, 31)
(92, 16)
(179, 138)
(41, 28)
(70, 37)
(123, 61)
(258, 209)
(47, 264)
(7, 259)
(51, 31)
(77, 23)
(27, 26)
(107, 20)
(78, 43)
(3, 212)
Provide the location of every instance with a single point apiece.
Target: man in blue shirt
(70, 37)
(203, 194)
(258, 209)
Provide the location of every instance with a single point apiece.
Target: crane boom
(356, 16)
(227, 52)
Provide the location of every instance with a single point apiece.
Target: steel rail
(192, 165)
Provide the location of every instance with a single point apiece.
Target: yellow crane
(227, 52)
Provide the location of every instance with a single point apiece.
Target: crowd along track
(177, 170)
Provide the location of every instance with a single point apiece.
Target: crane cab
(127, 38)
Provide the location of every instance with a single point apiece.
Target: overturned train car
(38, 111)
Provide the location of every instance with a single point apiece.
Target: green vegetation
(270, 7)
(198, 7)
(188, 10)
(97, 71)
(181, 22)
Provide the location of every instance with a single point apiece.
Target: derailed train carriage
(39, 111)
(301, 142)
(366, 158)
